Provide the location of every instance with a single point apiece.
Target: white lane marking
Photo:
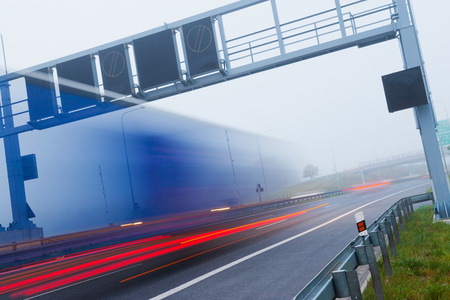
(328, 206)
(74, 284)
(263, 217)
(236, 262)
(270, 224)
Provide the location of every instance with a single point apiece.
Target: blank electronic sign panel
(156, 59)
(404, 89)
(40, 95)
(200, 47)
(115, 71)
(76, 83)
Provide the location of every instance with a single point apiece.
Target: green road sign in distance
(443, 126)
(444, 138)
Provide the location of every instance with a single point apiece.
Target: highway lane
(270, 255)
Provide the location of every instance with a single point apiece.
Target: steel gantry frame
(338, 28)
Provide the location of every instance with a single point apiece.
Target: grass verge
(422, 266)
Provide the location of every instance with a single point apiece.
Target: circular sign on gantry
(113, 64)
(199, 38)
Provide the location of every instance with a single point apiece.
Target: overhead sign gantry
(194, 53)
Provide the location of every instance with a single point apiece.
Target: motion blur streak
(200, 253)
(366, 186)
(45, 264)
(95, 268)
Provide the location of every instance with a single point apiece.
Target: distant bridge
(393, 161)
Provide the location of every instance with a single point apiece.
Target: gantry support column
(14, 167)
(21, 229)
(425, 116)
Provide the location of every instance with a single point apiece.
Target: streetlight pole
(232, 167)
(4, 55)
(335, 169)
(260, 159)
(135, 206)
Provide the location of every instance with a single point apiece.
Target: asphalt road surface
(269, 255)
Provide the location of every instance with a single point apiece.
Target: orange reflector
(361, 226)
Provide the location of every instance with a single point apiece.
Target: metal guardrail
(328, 284)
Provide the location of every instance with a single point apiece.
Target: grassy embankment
(422, 266)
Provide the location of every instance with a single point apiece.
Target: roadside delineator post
(369, 253)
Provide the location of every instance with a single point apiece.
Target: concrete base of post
(436, 219)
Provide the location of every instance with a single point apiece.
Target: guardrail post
(387, 225)
(376, 280)
(361, 256)
(406, 203)
(394, 225)
(400, 217)
(381, 241)
(411, 205)
(340, 284)
(353, 285)
(346, 284)
(405, 211)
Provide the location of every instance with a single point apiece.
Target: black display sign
(40, 95)
(404, 89)
(156, 59)
(200, 47)
(76, 83)
(116, 77)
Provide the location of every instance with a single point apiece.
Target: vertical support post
(362, 176)
(4, 55)
(425, 115)
(135, 205)
(405, 211)
(223, 39)
(340, 17)
(130, 70)
(346, 284)
(183, 47)
(177, 54)
(214, 33)
(14, 167)
(353, 285)
(408, 211)
(95, 75)
(395, 227)
(51, 80)
(400, 217)
(411, 205)
(232, 167)
(387, 224)
(373, 267)
(277, 26)
(384, 252)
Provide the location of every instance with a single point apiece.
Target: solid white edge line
(74, 284)
(236, 262)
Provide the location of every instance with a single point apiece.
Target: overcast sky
(331, 102)
(335, 100)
